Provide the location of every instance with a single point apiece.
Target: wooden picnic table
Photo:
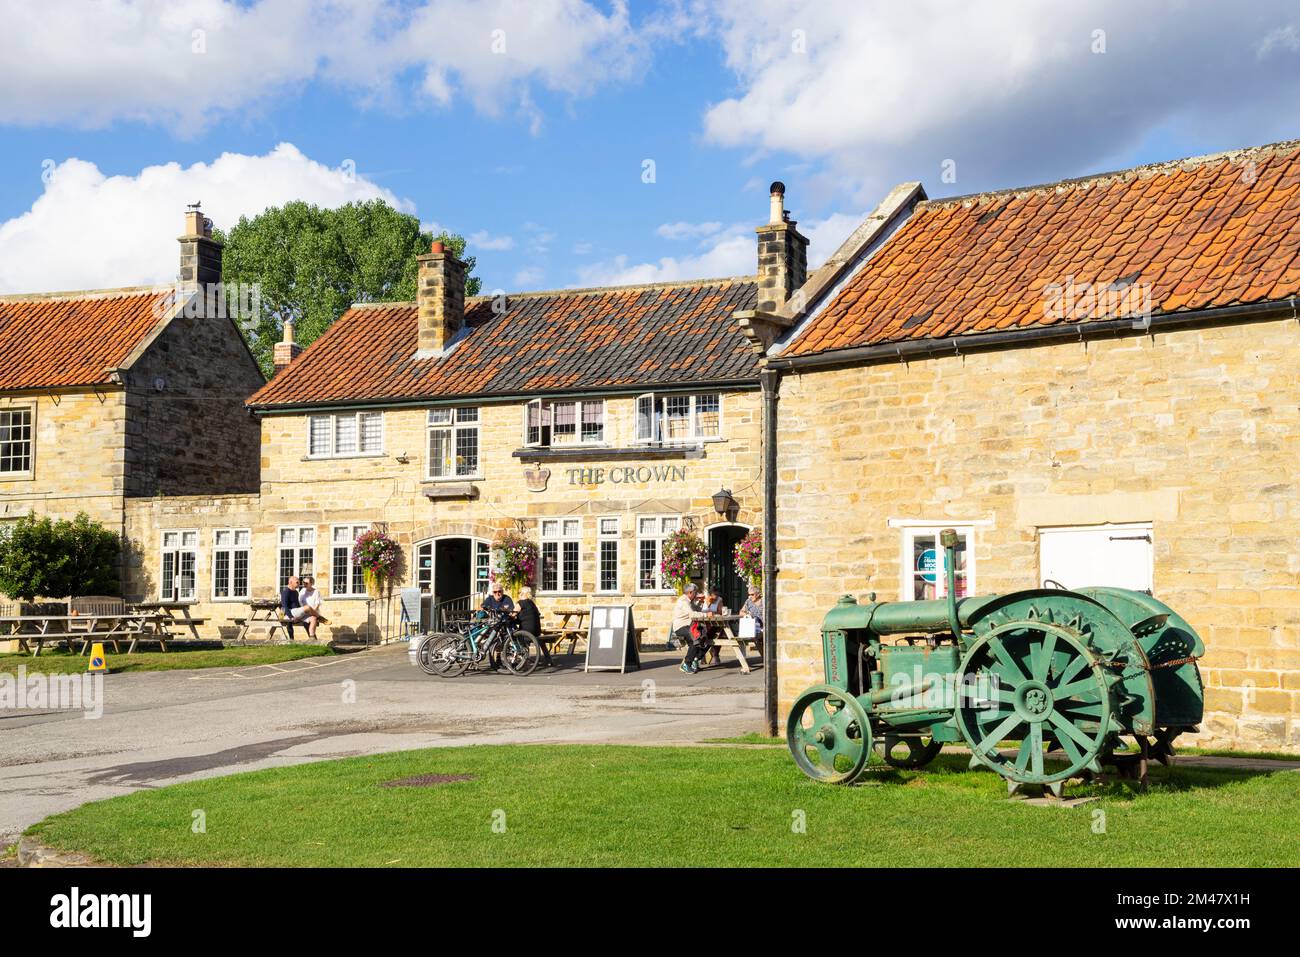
(571, 627)
(86, 628)
(726, 636)
(168, 609)
(263, 614)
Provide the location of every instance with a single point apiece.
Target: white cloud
(729, 251)
(1011, 90)
(530, 277)
(676, 231)
(91, 231)
(182, 62)
(486, 241)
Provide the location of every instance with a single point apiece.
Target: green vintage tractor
(1042, 685)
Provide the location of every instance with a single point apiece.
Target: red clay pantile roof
(1213, 231)
(559, 341)
(74, 339)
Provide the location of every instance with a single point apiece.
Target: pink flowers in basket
(514, 560)
(683, 555)
(749, 557)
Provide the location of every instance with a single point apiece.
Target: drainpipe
(771, 382)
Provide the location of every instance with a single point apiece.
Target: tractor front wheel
(829, 735)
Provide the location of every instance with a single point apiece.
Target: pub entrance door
(722, 565)
(453, 572)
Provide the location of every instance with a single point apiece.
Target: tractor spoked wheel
(1036, 682)
(907, 753)
(829, 735)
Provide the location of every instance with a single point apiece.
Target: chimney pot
(200, 253)
(782, 255)
(286, 350)
(437, 247)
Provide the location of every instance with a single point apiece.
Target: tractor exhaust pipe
(948, 539)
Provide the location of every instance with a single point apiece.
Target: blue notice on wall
(927, 565)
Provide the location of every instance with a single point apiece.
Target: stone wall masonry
(188, 432)
(1197, 431)
(78, 462)
(384, 490)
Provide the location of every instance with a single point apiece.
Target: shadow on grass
(955, 769)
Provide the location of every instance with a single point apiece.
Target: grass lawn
(63, 663)
(616, 805)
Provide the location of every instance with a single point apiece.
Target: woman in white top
(311, 600)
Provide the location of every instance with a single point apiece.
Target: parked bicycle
(487, 639)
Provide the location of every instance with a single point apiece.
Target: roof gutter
(1063, 332)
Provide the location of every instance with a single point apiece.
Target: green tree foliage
(312, 264)
(44, 558)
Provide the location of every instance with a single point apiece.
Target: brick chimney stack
(286, 350)
(440, 300)
(782, 255)
(200, 253)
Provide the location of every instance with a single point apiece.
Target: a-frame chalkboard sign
(611, 639)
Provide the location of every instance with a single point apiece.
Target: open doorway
(722, 564)
(453, 572)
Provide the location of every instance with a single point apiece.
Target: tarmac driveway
(158, 728)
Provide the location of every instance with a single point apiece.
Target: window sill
(605, 453)
(17, 476)
(343, 458)
(442, 489)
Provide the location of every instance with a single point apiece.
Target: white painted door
(1115, 555)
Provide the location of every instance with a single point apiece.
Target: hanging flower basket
(684, 554)
(378, 555)
(514, 561)
(749, 558)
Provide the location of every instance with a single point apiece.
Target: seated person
(686, 630)
(310, 605)
(290, 605)
(754, 609)
(530, 620)
(498, 602)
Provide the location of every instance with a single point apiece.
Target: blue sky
(536, 152)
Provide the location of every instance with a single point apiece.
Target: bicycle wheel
(520, 653)
(443, 655)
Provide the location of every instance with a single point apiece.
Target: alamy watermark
(238, 301)
(1125, 298)
(43, 692)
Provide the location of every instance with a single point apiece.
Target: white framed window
(550, 423)
(923, 575)
(346, 579)
(607, 535)
(1082, 556)
(651, 530)
(453, 443)
(345, 434)
(678, 418)
(180, 559)
(230, 556)
(297, 551)
(561, 540)
(16, 440)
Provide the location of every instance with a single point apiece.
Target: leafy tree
(44, 558)
(312, 264)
